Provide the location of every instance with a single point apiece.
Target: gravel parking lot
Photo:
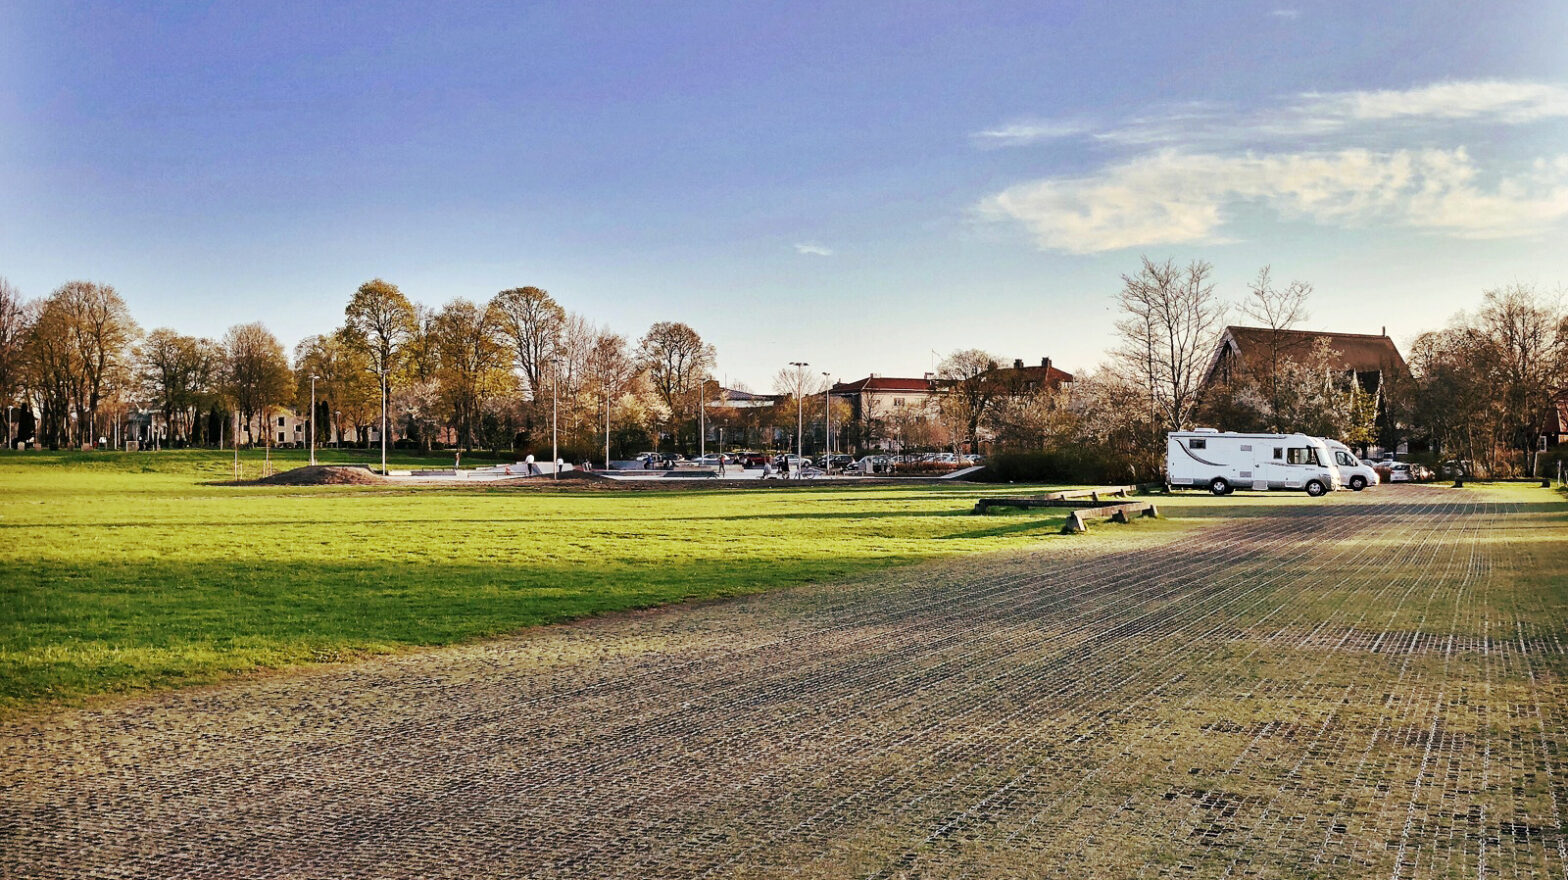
(1368, 686)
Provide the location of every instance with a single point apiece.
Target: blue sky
(856, 185)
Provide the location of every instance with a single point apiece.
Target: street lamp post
(555, 384)
(800, 407)
(313, 420)
(827, 416)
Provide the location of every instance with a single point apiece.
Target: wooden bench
(1078, 521)
(1071, 498)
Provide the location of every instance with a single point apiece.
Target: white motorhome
(1353, 472)
(1224, 461)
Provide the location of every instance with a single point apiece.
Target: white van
(1226, 461)
(1353, 472)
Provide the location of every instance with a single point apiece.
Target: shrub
(1066, 465)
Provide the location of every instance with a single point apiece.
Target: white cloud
(1016, 134)
(1310, 115)
(1497, 100)
(1172, 197)
(815, 250)
(1290, 14)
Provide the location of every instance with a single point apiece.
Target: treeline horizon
(520, 370)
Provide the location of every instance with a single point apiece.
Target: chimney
(1385, 329)
(876, 375)
(1018, 363)
(1046, 362)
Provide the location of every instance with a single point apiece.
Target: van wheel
(1358, 483)
(1315, 488)
(1219, 486)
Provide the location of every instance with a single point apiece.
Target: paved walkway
(1368, 687)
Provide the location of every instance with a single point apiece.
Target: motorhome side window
(1278, 453)
(1198, 443)
(1301, 455)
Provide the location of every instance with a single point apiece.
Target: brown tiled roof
(1035, 375)
(1361, 352)
(882, 383)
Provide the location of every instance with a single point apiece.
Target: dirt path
(1363, 688)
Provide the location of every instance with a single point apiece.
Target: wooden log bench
(1078, 521)
(1071, 498)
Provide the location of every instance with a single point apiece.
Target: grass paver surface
(1370, 686)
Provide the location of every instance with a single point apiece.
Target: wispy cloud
(1495, 100)
(1175, 198)
(815, 250)
(1310, 115)
(1289, 14)
(1017, 134)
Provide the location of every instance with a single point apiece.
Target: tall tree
(178, 374)
(610, 370)
(380, 322)
(1277, 310)
(473, 364)
(676, 359)
(1172, 323)
(15, 322)
(971, 390)
(1523, 337)
(531, 321)
(81, 347)
(256, 375)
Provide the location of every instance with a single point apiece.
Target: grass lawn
(121, 572)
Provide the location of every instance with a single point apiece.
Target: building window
(280, 421)
(898, 401)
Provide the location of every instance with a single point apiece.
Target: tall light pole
(800, 406)
(313, 420)
(383, 421)
(827, 417)
(555, 383)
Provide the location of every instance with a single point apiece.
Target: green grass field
(121, 572)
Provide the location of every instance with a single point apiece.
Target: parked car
(751, 459)
(1399, 472)
(835, 462)
(873, 464)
